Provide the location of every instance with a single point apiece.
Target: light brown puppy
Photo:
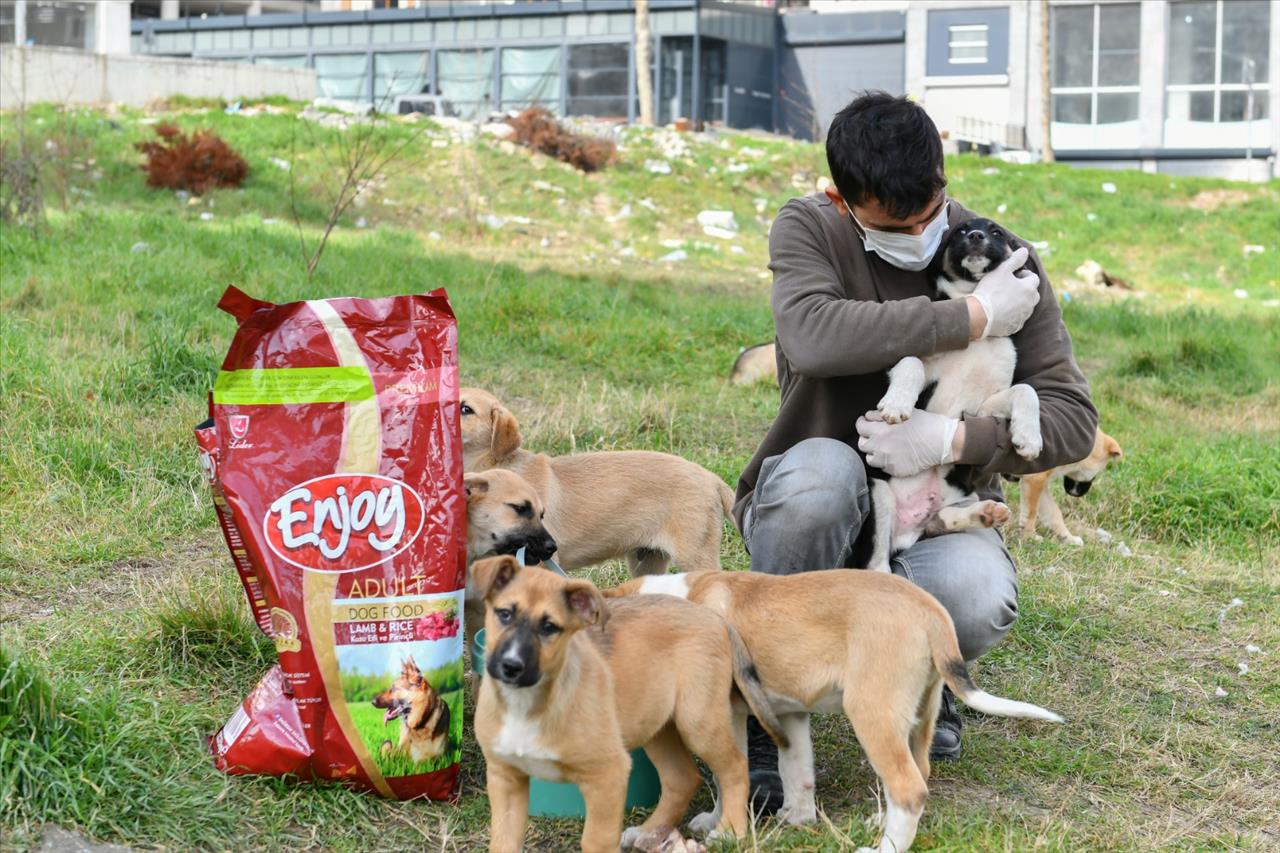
(872, 645)
(571, 684)
(651, 508)
(1037, 498)
(504, 514)
(755, 364)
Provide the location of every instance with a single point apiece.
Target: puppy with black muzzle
(572, 684)
(977, 380)
(874, 646)
(1037, 498)
(504, 514)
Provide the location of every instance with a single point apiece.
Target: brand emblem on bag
(343, 522)
(239, 426)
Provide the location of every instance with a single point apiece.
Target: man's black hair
(886, 148)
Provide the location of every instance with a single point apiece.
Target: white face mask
(906, 251)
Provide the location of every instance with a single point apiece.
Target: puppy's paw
(992, 513)
(665, 839)
(704, 824)
(630, 836)
(1072, 539)
(895, 408)
(1027, 442)
(799, 815)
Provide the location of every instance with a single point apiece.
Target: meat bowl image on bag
(334, 456)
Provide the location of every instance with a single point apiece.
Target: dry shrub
(195, 163)
(538, 129)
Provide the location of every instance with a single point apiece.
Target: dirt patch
(1211, 200)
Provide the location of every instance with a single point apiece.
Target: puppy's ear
(476, 486)
(586, 603)
(1112, 447)
(506, 433)
(493, 574)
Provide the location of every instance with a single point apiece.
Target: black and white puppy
(977, 380)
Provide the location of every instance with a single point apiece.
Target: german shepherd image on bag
(423, 715)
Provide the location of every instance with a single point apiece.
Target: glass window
(60, 24)
(204, 40)
(1095, 64)
(282, 61)
(400, 74)
(8, 23)
(530, 75)
(598, 79)
(343, 75)
(1193, 30)
(967, 43)
(465, 79)
(1218, 63)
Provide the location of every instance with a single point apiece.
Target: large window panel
(400, 74)
(1193, 32)
(1219, 72)
(1118, 34)
(1095, 75)
(465, 79)
(1246, 25)
(598, 79)
(1072, 46)
(343, 75)
(530, 76)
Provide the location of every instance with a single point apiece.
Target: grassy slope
(115, 583)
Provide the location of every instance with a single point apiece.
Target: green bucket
(557, 799)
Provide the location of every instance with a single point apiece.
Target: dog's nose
(976, 237)
(549, 545)
(511, 668)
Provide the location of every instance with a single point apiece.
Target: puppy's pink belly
(915, 508)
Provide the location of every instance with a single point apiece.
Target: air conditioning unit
(432, 105)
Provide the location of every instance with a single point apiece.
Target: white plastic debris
(547, 187)
(434, 235)
(648, 204)
(748, 151)
(498, 129)
(677, 255)
(1165, 593)
(760, 204)
(1243, 668)
(140, 246)
(736, 168)
(623, 213)
(627, 252)
(1123, 550)
(671, 244)
(1240, 293)
(1252, 649)
(1002, 208)
(1254, 249)
(1234, 603)
(1041, 246)
(545, 242)
(1091, 216)
(439, 143)
(658, 167)
(491, 221)
(1103, 536)
(1108, 187)
(270, 220)
(991, 170)
(283, 165)
(1219, 692)
(521, 220)
(362, 222)
(737, 250)
(721, 233)
(718, 219)
(206, 215)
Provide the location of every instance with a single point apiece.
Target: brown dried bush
(538, 129)
(195, 163)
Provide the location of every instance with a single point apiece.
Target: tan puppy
(504, 514)
(872, 645)
(572, 684)
(755, 364)
(651, 508)
(1037, 498)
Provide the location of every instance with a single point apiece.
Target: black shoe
(946, 733)
(762, 765)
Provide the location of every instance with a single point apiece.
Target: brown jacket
(844, 317)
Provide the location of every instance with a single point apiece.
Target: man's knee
(817, 484)
(973, 577)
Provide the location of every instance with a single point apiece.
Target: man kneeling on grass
(851, 298)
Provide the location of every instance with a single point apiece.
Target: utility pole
(644, 63)
(1046, 100)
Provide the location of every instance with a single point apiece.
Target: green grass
(126, 643)
(373, 731)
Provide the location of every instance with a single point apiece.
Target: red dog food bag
(335, 460)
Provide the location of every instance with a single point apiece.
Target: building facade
(1178, 86)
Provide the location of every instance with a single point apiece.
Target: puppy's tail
(951, 666)
(747, 680)
(726, 497)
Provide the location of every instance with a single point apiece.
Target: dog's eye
(524, 510)
(548, 628)
(503, 614)
(996, 232)
(467, 410)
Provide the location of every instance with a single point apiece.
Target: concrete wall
(64, 75)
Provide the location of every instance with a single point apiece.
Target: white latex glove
(922, 441)
(1007, 296)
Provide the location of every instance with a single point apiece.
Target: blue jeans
(805, 515)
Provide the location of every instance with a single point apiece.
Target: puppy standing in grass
(572, 684)
(1037, 498)
(872, 645)
(651, 508)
